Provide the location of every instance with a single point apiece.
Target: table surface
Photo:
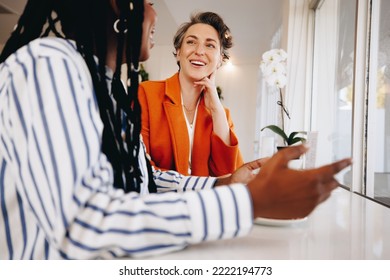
(346, 226)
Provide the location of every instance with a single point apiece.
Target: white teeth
(152, 31)
(151, 37)
(200, 63)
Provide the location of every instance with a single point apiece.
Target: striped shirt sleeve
(56, 194)
(172, 181)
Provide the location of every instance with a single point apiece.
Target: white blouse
(191, 130)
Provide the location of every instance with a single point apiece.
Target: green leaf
(278, 131)
(296, 140)
(293, 138)
(288, 140)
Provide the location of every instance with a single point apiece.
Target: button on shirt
(56, 194)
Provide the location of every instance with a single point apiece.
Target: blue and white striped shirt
(56, 194)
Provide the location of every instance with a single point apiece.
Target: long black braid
(85, 21)
(29, 26)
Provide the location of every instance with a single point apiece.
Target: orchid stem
(282, 108)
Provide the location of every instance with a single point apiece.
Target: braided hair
(87, 25)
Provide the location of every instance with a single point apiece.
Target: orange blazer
(165, 134)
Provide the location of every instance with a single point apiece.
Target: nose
(200, 49)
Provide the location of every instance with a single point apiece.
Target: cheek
(145, 51)
(215, 63)
(145, 45)
(215, 58)
(180, 55)
(143, 57)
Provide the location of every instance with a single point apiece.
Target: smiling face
(200, 52)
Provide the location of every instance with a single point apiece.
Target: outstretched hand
(244, 174)
(282, 193)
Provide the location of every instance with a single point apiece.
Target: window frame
(364, 134)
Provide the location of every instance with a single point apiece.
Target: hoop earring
(115, 26)
(135, 69)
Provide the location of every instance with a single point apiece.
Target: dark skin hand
(281, 193)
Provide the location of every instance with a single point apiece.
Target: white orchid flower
(277, 80)
(282, 54)
(274, 55)
(269, 56)
(273, 67)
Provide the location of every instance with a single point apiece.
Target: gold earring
(115, 26)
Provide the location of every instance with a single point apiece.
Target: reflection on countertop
(346, 226)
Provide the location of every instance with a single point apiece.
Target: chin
(144, 55)
(198, 76)
(145, 51)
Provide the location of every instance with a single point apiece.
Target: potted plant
(273, 66)
(144, 75)
(293, 138)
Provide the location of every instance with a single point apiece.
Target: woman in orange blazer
(184, 125)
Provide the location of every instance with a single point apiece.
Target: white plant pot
(296, 164)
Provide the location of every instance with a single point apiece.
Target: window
(378, 109)
(351, 91)
(333, 76)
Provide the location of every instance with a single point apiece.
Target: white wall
(162, 63)
(238, 86)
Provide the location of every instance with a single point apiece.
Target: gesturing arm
(63, 182)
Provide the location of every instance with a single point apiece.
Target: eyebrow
(207, 40)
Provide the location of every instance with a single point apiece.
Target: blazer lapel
(177, 125)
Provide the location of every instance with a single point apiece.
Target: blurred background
(253, 23)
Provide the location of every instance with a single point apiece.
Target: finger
(204, 82)
(252, 165)
(262, 161)
(327, 190)
(327, 186)
(289, 153)
(200, 84)
(341, 164)
(212, 76)
(328, 171)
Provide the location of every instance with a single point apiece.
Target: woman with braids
(184, 124)
(71, 187)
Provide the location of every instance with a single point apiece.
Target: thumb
(253, 165)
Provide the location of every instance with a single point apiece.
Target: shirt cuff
(220, 213)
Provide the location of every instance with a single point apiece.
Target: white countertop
(346, 226)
